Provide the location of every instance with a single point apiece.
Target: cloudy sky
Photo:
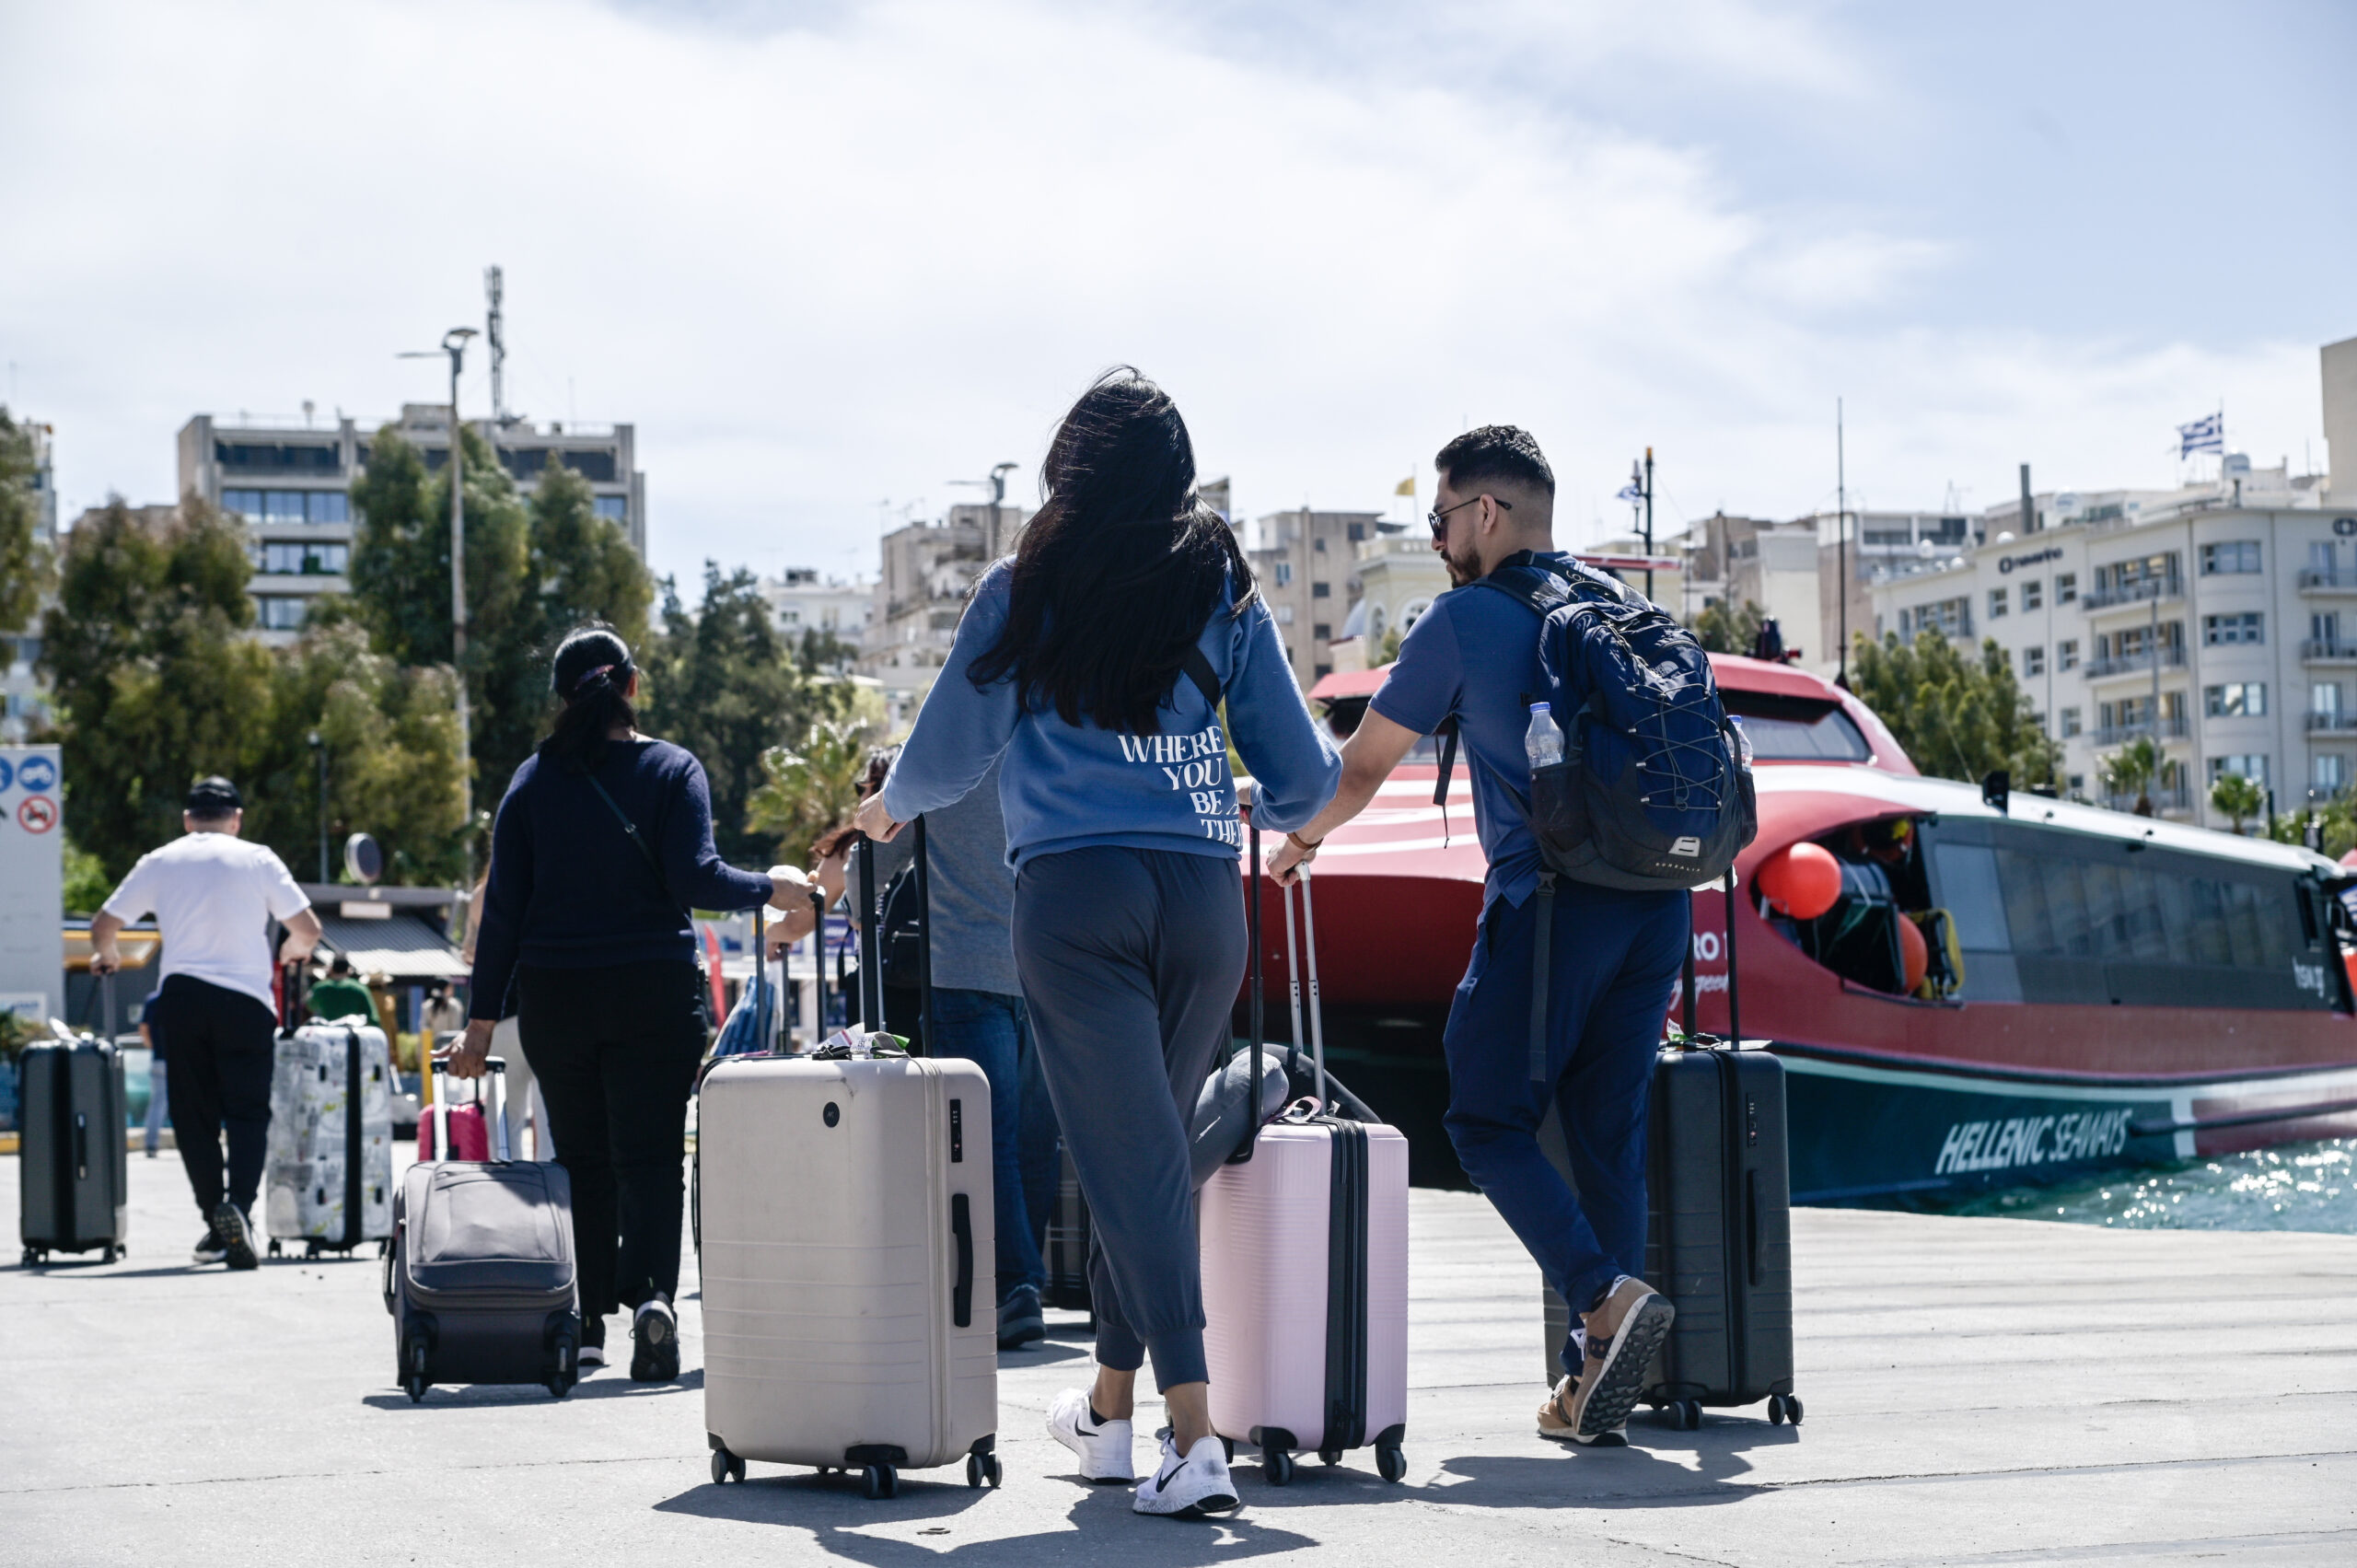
(830, 257)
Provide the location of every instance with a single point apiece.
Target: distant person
(342, 996)
(213, 897)
(978, 1013)
(1614, 954)
(443, 1015)
(1095, 661)
(600, 848)
(152, 1132)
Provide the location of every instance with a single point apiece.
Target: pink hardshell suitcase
(1305, 1259)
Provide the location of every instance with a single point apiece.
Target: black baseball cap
(214, 797)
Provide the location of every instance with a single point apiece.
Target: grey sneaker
(236, 1237)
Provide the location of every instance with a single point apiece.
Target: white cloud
(825, 265)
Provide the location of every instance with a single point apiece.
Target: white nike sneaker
(1192, 1487)
(1104, 1449)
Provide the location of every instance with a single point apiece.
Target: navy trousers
(1615, 960)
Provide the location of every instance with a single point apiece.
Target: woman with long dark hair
(601, 846)
(1096, 661)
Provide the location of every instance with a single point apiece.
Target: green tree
(584, 569)
(1388, 650)
(811, 787)
(24, 563)
(86, 886)
(2237, 799)
(2334, 823)
(1723, 631)
(154, 682)
(2131, 770)
(1957, 718)
(721, 683)
(390, 733)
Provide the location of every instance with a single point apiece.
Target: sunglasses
(1439, 521)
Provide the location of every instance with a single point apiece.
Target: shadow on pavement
(841, 1522)
(478, 1395)
(1649, 1473)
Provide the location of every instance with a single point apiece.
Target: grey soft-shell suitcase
(1718, 1233)
(74, 1174)
(480, 1280)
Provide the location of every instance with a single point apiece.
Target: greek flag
(2207, 433)
(1631, 493)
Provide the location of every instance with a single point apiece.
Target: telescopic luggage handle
(1260, 1045)
(495, 1114)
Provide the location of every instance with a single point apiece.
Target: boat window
(1972, 895)
(1796, 729)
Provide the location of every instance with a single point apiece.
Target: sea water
(2291, 1187)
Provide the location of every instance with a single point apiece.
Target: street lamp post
(454, 343)
(320, 752)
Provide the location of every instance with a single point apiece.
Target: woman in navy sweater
(601, 846)
(1095, 661)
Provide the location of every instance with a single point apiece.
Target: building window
(2033, 661)
(2227, 631)
(1358, 532)
(2251, 765)
(2066, 587)
(2066, 654)
(1949, 618)
(1284, 615)
(2324, 699)
(2033, 596)
(2331, 771)
(2234, 700)
(1284, 572)
(2069, 723)
(1321, 671)
(1321, 591)
(2077, 786)
(615, 508)
(1319, 544)
(1323, 630)
(2232, 558)
(1996, 603)
(281, 613)
(329, 506)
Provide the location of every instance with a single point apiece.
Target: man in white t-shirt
(213, 897)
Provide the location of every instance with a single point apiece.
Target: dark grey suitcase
(74, 1176)
(480, 1280)
(1718, 1233)
(1067, 1250)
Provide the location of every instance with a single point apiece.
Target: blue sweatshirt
(1069, 786)
(568, 890)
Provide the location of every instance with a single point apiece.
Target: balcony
(2332, 724)
(2178, 796)
(2174, 727)
(2143, 663)
(2327, 580)
(2327, 650)
(2158, 591)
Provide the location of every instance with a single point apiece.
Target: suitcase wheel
(1391, 1460)
(1277, 1465)
(275, 1249)
(880, 1482)
(414, 1369)
(30, 1256)
(983, 1470)
(1782, 1408)
(727, 1467)
(1685, 1415)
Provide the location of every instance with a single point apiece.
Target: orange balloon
(1913, 951)
(1802, 880)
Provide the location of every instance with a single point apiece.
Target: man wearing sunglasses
(1613, 957)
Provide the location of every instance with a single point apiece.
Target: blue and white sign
(8, 772)
(37, 772)
(32, 884)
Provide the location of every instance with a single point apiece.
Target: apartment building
(293, 485)
(802, 601)
(1738, 561)
(928, 570)
(24, 697)
(1308, 562)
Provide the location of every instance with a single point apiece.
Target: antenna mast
(494, 289)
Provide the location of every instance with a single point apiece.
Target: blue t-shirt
(1475, 653)
(1071, 786)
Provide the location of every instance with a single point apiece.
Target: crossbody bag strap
(646, 850)
(1199, 669)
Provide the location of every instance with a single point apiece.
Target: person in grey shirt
(978, 1013)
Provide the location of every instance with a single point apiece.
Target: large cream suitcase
(849, 1308)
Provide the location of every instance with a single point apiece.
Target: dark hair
(591, 671)
(340, 964)
(1497, 453)
(879, 766)
(213, 799)
(1120, 569)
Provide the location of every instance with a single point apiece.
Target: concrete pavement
(1976, 1391)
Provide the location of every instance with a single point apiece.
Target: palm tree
(811, 788)
(2131, 768)
(2237, 799)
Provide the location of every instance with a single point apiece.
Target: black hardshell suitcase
(480, 1280)
(1067, 1248)
(1718, 1233)
(75, 1174)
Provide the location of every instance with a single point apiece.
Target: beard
(1462, 568)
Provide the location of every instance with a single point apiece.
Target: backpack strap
(1199, 669)
(1541, 960)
